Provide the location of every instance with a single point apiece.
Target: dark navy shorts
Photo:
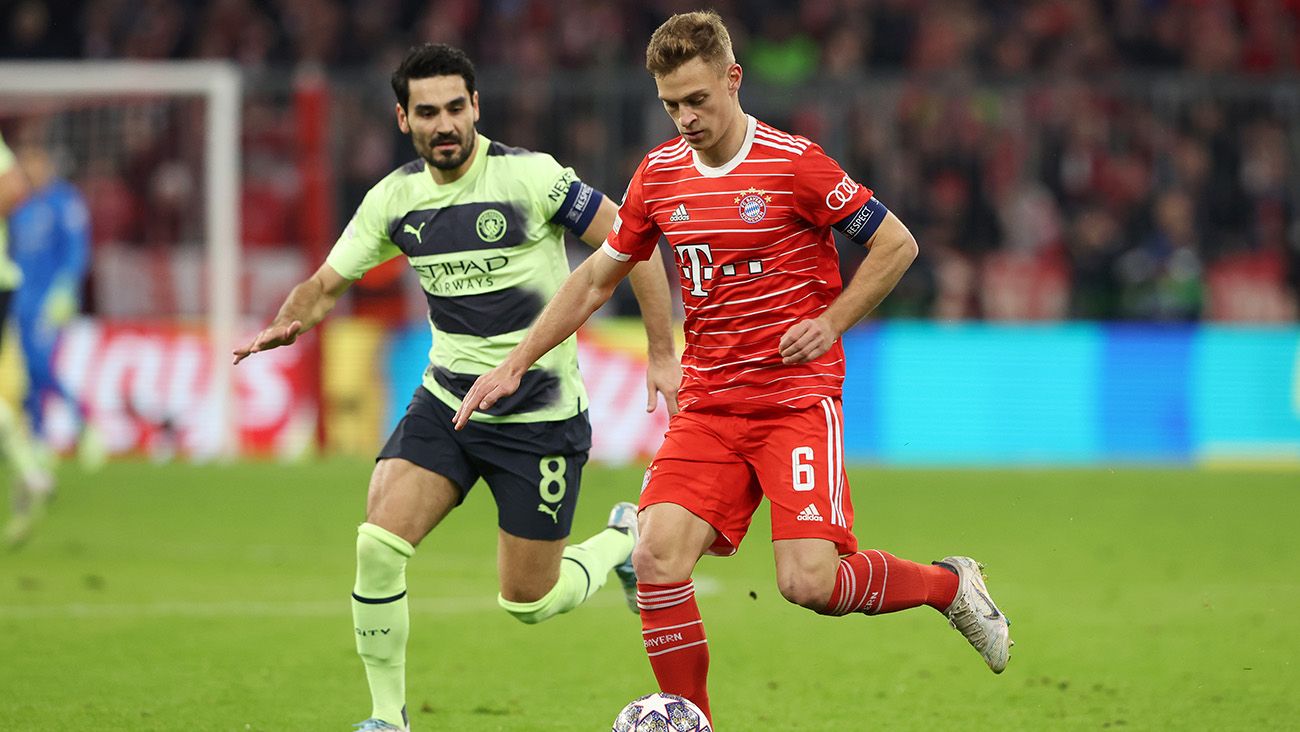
(533, 469)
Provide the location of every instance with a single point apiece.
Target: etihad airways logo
(460, 276)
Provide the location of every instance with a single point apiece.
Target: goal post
(218, 85)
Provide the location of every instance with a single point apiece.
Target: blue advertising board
(923, 393)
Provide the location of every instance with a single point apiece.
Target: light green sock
(21, 450)
(583, 570)
(380, 618)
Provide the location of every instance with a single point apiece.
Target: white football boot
(623, 518)
(974, 615)
(374, 724)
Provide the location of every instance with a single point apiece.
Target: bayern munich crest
(753, 205)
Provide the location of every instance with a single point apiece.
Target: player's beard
(442, 161)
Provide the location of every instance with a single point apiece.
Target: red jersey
(756, 255)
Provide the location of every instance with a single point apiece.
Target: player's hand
(663, 375)
(60, 305)
(273, 337)
(806, 340)
(487, 390)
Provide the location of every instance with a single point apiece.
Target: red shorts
(719, 467)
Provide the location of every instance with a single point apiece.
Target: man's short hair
(686, 36)
(431, 59)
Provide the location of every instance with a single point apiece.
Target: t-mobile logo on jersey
(698, 268)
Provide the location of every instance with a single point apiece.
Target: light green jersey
(489, 250)
(10, 276)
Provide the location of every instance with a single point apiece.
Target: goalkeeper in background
(34, 484)
(50, 235)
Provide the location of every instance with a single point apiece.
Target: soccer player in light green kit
(483, 225)
(35, 484)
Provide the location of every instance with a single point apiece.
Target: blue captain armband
(861, 225)
(578, 208)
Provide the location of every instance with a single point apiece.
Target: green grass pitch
(216, 598)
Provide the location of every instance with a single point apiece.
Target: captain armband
(578, 208)
(861, 225)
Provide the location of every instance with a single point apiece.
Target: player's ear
(734, 75)
(402, 123)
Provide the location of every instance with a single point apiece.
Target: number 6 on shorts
(801, 468)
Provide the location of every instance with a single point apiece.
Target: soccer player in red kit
(748, 210)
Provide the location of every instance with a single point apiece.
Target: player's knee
(381, 558)
(523, 593)
(529, 608)
(658, 564)
(805, 590)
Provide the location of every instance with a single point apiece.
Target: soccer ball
(661, 713)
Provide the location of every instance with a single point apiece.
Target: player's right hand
(273, 336)
(487, 390)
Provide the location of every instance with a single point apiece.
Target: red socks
(871, 582)
(674, 640)
(875, 582)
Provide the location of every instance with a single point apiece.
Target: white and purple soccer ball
(661, 713)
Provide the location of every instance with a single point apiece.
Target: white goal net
(154, 148)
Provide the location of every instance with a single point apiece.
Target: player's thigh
(697, 469)
(422, 472)
(799, 460)
(536, 497)
(407, 499)
(527, 569)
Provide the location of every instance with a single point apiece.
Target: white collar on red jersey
(731, 164)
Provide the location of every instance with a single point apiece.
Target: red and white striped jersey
(756, 255)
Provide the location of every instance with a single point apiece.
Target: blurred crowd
(1121, 159)
(787, 40)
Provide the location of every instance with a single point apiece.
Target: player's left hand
(663, 375)
(806, 340)
(487, 390)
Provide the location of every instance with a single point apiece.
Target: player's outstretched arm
(650, 285)
(586, 288)
(306, 306)
(892, 250)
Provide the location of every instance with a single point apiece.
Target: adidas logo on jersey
(809, 514)
(679, 214)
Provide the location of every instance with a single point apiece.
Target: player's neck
(729, 143)
(443, 177)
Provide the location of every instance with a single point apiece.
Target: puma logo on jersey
(679, 214)
(412, 230)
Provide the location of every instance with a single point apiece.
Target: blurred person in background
(483, 226)
(50, 235)
(35, 484)
(1161, 278)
